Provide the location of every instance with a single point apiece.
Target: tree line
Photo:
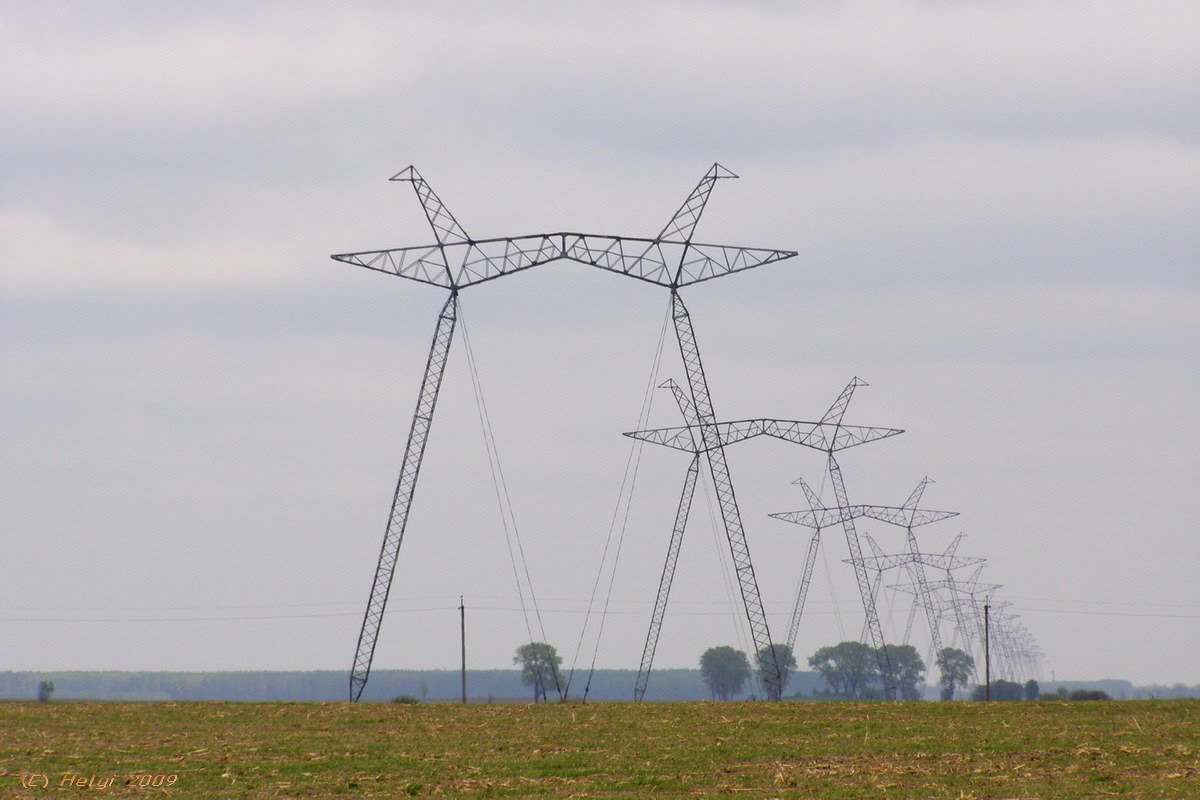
(851, 670)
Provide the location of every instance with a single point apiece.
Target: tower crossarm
(666, 262)
(819, 518)
(933, 560)
(882, 563)
(823, 435)
(815, 435)
(943, 561)
(466, 264)
(462, 264)
(956, 587)
(903, 517)
(680, 438)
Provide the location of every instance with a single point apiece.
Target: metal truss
(810, 559)
(731, 516)
(456, 261)
(402, 500)
(816, 435)
(671, 259)
(876, 582)
(668, 573)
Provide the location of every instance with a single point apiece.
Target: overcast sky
(995, 207)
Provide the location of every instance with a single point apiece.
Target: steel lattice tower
(840, 515)
(456, 261)
(910, 516)
(822, 436)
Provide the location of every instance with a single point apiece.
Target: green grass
(1138, 749)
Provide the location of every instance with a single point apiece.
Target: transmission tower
(842, 515)
(927, 600)
(456, 261)
(967, 599)
(690, 439)
(908, 515)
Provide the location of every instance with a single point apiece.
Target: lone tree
(45, 689)
(908, 670)
(955, 667)
(782, 655)
(725, 671)
(539, 667)
(1032, 690)
(849, 668)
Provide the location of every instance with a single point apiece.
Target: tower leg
(912, 617)
(726, 499)
(802, 591)
(402, 501)
(926, 596)
(864, 582)
(668, 574)
(876, 585)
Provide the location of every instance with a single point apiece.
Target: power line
(1107, 613)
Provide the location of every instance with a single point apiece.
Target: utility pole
(462, 628)
(987, 656)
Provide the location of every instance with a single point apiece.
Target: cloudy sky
(203, 416)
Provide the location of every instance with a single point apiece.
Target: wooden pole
(987, 655)
(462, 627)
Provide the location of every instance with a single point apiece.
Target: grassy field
(1143, 749)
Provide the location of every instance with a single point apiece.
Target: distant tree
(539, 667)
(1001, 690)
(1088, 694)
(955, 668)
(908, 670)
(848, 668)
(1032, 690)
(1007, 690)
(782, 655)
(45, 689)
(725, 671)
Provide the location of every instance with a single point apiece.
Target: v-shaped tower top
(669, 259)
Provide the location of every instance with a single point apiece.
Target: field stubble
(1144, 749)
